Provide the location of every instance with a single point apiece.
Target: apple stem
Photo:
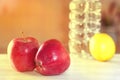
(23, 36)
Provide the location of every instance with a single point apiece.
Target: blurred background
(46, 19)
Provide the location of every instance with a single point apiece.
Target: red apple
(52, 58)
(22, 53)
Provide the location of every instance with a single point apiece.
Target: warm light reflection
(7, 6)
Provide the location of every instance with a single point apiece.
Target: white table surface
(80, 69)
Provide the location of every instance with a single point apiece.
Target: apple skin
(52, 58)
(21, 53)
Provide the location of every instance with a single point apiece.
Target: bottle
(85, 17)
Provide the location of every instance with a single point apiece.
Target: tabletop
(80, 69)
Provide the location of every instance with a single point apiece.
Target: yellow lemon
(102, 47)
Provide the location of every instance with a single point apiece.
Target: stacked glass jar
(85, 17)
